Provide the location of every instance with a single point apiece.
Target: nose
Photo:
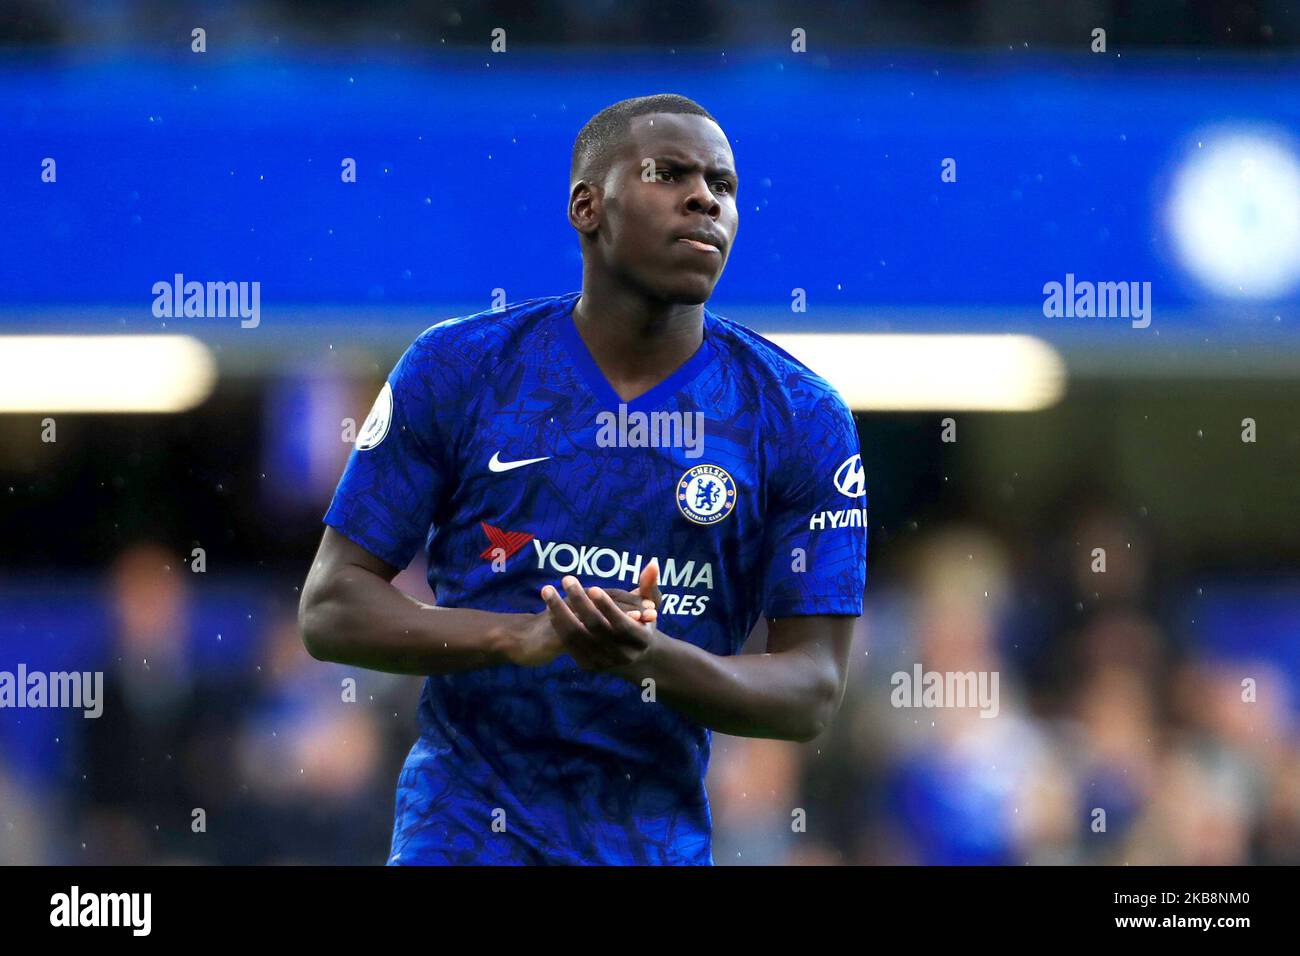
(700, 198)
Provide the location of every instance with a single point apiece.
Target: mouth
(709, 245)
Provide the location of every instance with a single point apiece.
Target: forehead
(696, 137)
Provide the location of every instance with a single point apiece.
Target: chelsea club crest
(706, 494)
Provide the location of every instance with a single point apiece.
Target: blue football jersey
(498, 443)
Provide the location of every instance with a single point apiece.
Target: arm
(789, 693)
(350, 613)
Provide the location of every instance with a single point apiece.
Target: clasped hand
(603, 629)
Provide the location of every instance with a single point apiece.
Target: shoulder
(791, 393)
(457, 348)
(480, 336)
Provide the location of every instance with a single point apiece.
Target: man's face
(645, 228)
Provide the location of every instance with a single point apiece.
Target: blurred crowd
(1116, 739)
(283, 759)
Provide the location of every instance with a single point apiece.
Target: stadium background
(1169, 158)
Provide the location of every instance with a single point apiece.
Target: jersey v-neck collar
(599, 384)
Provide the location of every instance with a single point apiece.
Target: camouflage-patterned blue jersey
(498, 443)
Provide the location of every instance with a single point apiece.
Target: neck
(637, 342)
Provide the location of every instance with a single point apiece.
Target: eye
(663, 172)
(726, 186)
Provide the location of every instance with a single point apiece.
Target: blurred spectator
(161, 747)
(310, 759)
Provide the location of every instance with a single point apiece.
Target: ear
(586, 207)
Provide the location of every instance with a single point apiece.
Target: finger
(561, 615)
(620, 634)
(612, 617)
(627, 600)
(577, 599)
(649, 585)
(625, 633)
(588, 652)
(634, 605)
(605, 605)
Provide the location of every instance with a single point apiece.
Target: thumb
(649, 586)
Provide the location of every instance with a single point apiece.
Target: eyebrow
(681, 163)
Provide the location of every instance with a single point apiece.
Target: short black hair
(594, 149)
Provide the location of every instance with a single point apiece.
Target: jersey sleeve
(403, 462)
(815, 537)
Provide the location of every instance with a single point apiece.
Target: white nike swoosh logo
(496, 464)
